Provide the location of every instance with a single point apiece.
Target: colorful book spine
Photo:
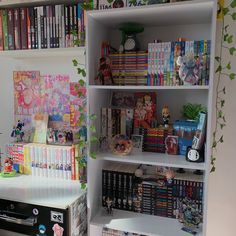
(1, 31)
(11, 41)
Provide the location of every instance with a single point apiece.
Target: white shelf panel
(16, 3)
(140, 223)
(40, 53)
(189, 12)
(40, 191)
(151, 158)
(128, 87)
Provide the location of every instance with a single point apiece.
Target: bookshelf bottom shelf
(139, 223)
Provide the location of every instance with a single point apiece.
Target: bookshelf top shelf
(156, 159)
(40, 191)
(40, 53)
(139, 223)
(187, 12)
(18, 3)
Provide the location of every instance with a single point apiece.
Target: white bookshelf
(194, 20)
(40, 53)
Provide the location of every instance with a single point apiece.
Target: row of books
(149, 196)
(53, 26)
(113, 232)
(129, 68)
(163, 69)
(46, 160)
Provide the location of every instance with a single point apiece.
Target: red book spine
(17, 37)
(11, 40)
(1, 32)
(73, 176)
(28, 29)
(23, 28)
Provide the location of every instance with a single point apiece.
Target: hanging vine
(223, 70)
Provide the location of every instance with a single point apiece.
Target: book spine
(29, 46)
(114, 192)
(79, 23)
(23, 28)
(36, 28)
(62, 21)
(11, 41)
(49, 164)
(39, 25)
(54, 27)
(5, 29)
(51, 28)
(48, 26)
(75, 25)
(109, 124)
(67, 31)
(57, 23)
(104, 187)
(71, 24)
(73, 163)
(44, 161)
(32, 33)
(1, 31)
(104, 122)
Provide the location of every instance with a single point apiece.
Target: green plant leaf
(234, 16)
(109, 1)
(219, 69)
(92, 117)
(83, 73)
(93, 155)
(225, 10)
(232, 50)
(230, 39)
(93, 139)
(213, 169)
(225, 37)
(232, 76)
(81, 82)
(83, 185)
(82, 143)
(233, 4)
(221, 140)
(222, 126)
(220, 114)
(93, 128)
(222, 103)
(224, 91)
(224, 119)
(217, 59)
(75, 62)
(228, 66)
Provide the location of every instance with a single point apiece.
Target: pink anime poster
(56, 94)
(27, 92)
(145, 109)
(77, 103)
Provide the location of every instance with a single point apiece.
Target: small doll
(8, 165)
(104, 73)
(166, 116)
(109, 205)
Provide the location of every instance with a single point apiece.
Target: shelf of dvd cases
(156, 159)
(40, 53)
(139, 223)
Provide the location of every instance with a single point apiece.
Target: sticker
(57, 217)
(58, 230)
(42, 230)
(35, 211)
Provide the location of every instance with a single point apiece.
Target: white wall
(222, 187)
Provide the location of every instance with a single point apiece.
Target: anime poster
(56, 94)
(27, 92)
(26, 120)
(145, 109)
(77, 103)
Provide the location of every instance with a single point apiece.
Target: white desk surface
(55, 193)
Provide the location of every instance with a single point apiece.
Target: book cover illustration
(145, 109)
(56, 91)
(122, 100)
(27, 97)
(40, 125)
(77, 103)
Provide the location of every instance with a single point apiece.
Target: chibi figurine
(109, 205)
(8, 170)
(104, 73)
(42, 230)
(165, 116)
(57, 230)
(17, 131)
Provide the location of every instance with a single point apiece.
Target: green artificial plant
(191, 111)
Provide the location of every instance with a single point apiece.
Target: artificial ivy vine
(223, 70)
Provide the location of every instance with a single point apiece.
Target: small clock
(194, 155)
(130, 43)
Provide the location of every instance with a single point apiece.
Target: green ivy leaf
(224, 90)
(81, 82)
(233, 4)
(217, 59)
(93, 155)
(232, 76)
(230, 39)
(213, 169)
(75, 62)
(222, 126)
(92, 117)
(224, 119)
(93, 139)
(109, 1)
(222, 103)
(83, 185)
(234, 16)
(220, 114)
(226, 28)
(225, 37)
(221, 140)
(219, 69)
(225, 10)
(232, 50)
(228, 66)
(82, 143)
(83, 73)
(214, 144)
(93, 128)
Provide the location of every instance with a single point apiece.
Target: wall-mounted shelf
(40, 53)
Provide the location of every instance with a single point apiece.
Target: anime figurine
(109, 205)
(17, 131)
(104, 73)
(8, 170)
(42, 230)
(57, 230)
(165, 116)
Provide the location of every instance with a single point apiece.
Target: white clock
(193, 155)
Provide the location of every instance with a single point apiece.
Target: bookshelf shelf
(156, 159)
(127, 87)
(40, 53)
(139, 223)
